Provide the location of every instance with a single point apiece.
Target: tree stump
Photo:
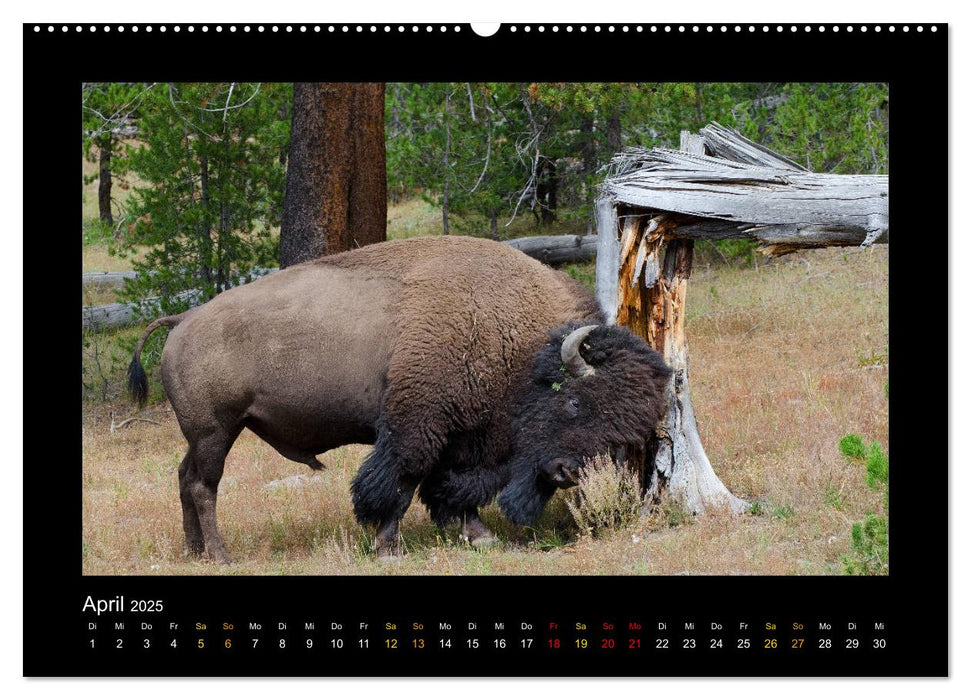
(654, 272)
(651, 294)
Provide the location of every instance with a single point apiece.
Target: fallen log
(107, 279)
(749, 192)
(557, 250)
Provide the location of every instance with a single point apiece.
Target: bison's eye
(573, 407)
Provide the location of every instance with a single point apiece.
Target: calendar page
(451, 350)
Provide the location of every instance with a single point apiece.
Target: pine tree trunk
(104, 183)
(336, 196)
(547, 192)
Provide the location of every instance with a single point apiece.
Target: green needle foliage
(870, 551)
(211, 160)
(507, 150)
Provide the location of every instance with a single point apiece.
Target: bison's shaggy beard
(526, 494)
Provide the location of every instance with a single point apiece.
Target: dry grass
(786, 359)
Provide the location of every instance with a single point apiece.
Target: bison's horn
(570, 352)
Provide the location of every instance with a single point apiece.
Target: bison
(473, 369)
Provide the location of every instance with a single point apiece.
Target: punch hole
(485, 29)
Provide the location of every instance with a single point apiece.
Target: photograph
(485, 328)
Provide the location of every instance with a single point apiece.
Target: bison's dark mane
(605, 345)
(619, 405)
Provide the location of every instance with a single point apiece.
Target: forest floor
(786, 358)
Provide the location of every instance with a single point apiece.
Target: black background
(911, 601)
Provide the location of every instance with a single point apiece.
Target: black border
(912, 601)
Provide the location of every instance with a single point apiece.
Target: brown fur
(415, 345)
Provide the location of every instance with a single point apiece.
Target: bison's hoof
(484, 541)
(220, 557)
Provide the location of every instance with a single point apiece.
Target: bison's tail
(137, 381)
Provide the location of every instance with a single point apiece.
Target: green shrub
(869, 541)
(852, 447)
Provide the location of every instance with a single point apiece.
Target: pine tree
(109, 113)
(209, 159)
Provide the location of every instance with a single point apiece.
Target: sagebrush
(608, 497)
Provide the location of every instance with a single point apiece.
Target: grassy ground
(787, 357)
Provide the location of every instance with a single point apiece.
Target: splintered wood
(724, 186)
(651, 296)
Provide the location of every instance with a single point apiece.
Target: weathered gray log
(107, 279)
(783, 238)
(766, 198)
(557, 250)
(126, 313)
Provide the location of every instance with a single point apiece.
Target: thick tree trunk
(336, 196)
(104, 183)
